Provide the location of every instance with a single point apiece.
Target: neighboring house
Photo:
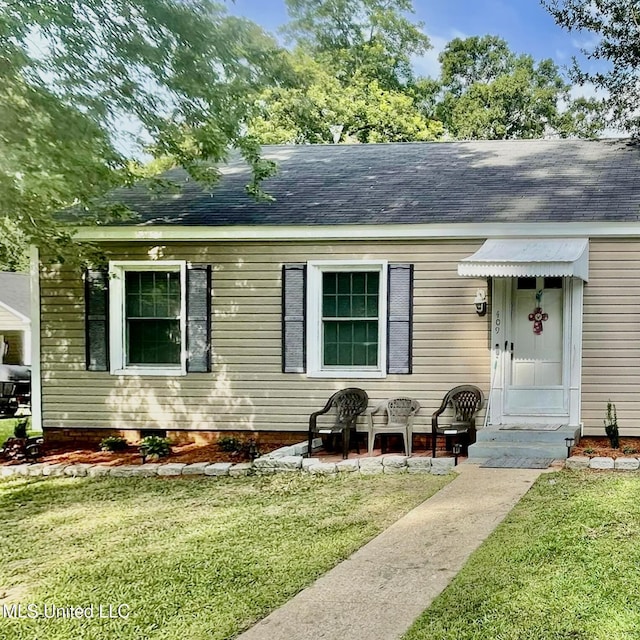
(15, 322)
(220, 313)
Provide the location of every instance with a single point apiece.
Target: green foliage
(611, 425)
(184, 73)
(352, 78)
(229, 444)
(114, 444)
(20, 430)
(488, 92)
(372, 39)
(192, 559)
(154, 447)
(362, 111)
(614, 25)
(467, 61)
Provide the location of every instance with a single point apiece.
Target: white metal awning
(529, 257)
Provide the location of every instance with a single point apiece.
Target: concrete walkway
(379, 591)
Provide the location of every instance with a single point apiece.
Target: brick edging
(284, 460)
(619, 464)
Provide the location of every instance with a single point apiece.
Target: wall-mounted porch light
(481, 302)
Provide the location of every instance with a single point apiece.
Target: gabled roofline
(259, 233)
(15, 312)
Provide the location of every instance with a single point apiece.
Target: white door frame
(572, 356)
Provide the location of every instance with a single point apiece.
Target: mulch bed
(600, 447)
(187, 453)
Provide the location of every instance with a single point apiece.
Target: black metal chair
(348, 404)
(466, 401)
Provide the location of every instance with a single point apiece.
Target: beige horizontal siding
(247, 389)
(611, 336)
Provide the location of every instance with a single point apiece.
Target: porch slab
(522, 441)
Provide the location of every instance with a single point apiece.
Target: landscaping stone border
(288, 459)
(599, 462)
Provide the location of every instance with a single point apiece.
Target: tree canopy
(72, 72)
(489, 92)
(319, 108)
(353, 73)
(371, 38)
(616, 25)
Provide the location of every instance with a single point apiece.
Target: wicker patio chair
(466, 401)
(348, 404)
(399, 419)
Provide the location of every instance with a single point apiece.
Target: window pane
(152, 308)
(344, 306)
(553, 283)
(526, 283)
(345, 354)
(359, 306)
(372, 306)
(347, 297)
(329, 306)
(358, 283)
(350, 343)
(373, 283)
(153, 342)
(344, 282)
(329, 284)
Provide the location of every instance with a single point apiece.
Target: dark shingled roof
(15, 292)
(489, 181)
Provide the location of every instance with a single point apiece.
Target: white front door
(536, 371)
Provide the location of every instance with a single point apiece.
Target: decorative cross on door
(538, 316)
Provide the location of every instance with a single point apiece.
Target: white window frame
(315, 269)
(117, 317)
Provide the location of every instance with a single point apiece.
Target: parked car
(15, 389)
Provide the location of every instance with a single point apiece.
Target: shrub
(154, 446)
(20, 430)
(611, 425)
(114, 444)
(229, 444)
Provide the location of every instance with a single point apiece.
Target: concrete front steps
(495, 442)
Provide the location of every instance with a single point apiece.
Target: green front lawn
(191, 558)
(6, 429)
(565, 565)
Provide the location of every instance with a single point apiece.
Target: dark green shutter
(96, 304)
(400, 319)
(294, 318)
(199, 318)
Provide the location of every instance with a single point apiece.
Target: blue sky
(524, 24)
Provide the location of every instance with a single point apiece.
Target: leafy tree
(353, 79)
(616, 23)
(72, 72)
(488, 92)
(370, 38)
(467, 61)
(320, 109)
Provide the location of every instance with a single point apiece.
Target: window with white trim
(148, 317)
(347, 307)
